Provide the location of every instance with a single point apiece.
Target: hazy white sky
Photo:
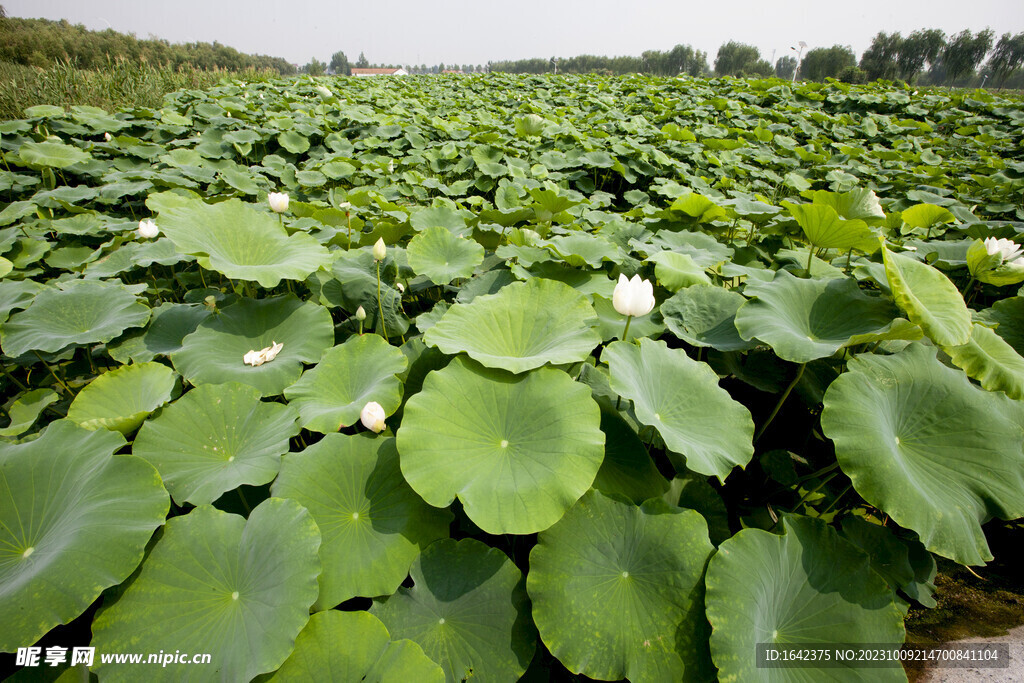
(467, 32)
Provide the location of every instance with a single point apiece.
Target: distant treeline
(43, 43)
(680, 59)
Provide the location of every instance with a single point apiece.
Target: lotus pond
(827, 395)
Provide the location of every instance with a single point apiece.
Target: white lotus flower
(278, 201)
(324, 91)
(360, 313)
(147, 228)
(107, 137)
(372, 417)
(255, 358)
(1008, 250)
(633, 297)
(391, 166)
(400, 287)
(380, 250)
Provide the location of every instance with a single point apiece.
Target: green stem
(380, 304)
(54, 375)
(245, 503)
(815, 490)
(778, 405)
(823, 470)
(349, 219)
(836, 499)
(810, 255)
(12, 378)
(625, 332)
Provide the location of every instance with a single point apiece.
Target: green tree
(1007, 57)
(315, 67)
(880, 60)
(964, 53)
(826, 62)
(785, 67)
(735, 59)
(917, 50)
(339, 63)
(362, 62)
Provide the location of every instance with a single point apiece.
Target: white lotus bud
(107, 137)
(278, 201)
(372, 417)
(400, 287)
(360, 314)
(380, 250)
(147, 228)
(633, 297)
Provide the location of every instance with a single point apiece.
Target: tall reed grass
(121, 84)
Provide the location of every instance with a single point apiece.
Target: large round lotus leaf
(214, 353)
(677, 271)
(860, 203)
(825, 229)
(807, 319)
(50, 154)
(923, 445)
(627, 469)
(929, 299)
(807, 586)
(348, 376)
(122, 398)
(442, 256)
(236, 239)
(1008, 314)
(373, 524)
(78, 312)
(216, 582)
(926, 215)
(518, 451)
(468, 611)
(355, 646)
(681, 398)
(523, 326)
(706, 316)
(617, 590)
(74, 520)
(990, 360)
(214, 439)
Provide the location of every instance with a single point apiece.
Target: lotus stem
(778, 405)
(625, 332)
(348, 219)
(380, 304)
(12, 378)
(817, 488)
(810, 256)
(836, 499)
(54, 375)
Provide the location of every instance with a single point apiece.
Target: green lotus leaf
(348, 376)
(580, 249)
(442, 256)
(627, 469)
(17, 295)
(858, 204)
(214, 353)
(216, 582)
(523, 326)
(122, 398)
(617, 590)
(990, 268)
(681, 398)
(73, 313)
(5, 267)
(805, 319)
(929, 299)
(355, 646)
(705, 250)
(293, 142)
(706, 316)
(699, 207)
(440, 217)
(903, 563)
(467, 609)
(51, 154)
(926, 215)
(44, 111)
(518, 450)
(677, 271)
(236, 239)
(920, 443)
(807, 586)
(825, 229)
(170, 324)
(74, 520)
(214, 439)
(1008, 315)
(25, 410)
(693, 492)
(373, 524)
(990, 360)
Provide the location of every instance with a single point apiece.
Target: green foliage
(457, 459)
(737, 59)
(826, 62)
(964, 52)
(1007, 57)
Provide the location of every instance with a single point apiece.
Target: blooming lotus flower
(1008, 250)
(380, 250)
(147, 228)
(278, 201)
(372, 417)
(256, 358)
(633, 297)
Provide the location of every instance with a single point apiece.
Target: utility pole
(799, 57)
